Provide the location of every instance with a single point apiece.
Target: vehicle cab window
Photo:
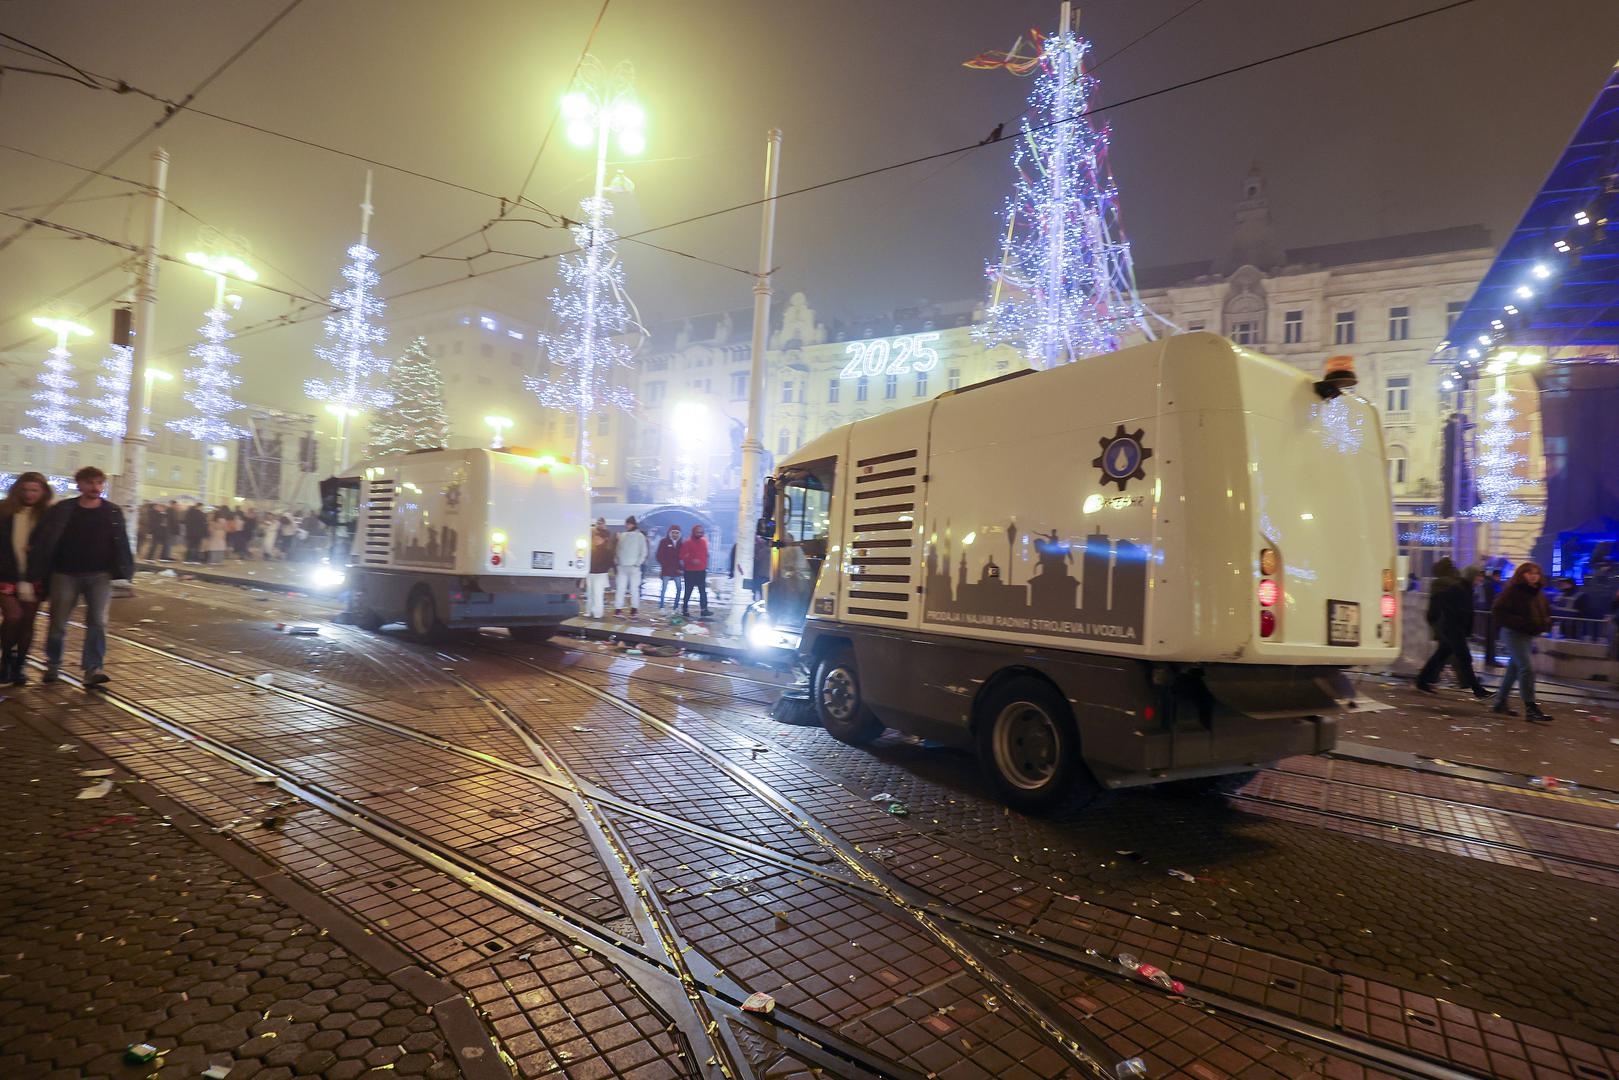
(803, 530)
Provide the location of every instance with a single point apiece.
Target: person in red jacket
(1523, 613)
(694, 563)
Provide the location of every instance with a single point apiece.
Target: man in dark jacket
(196, 522)
(80, 549)
(1489, 587)
(1450, 616)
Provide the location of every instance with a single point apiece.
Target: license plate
(543, 560)
(1343, 622)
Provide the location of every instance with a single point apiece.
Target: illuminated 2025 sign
(890, 356)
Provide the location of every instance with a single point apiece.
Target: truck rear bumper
(497, 601)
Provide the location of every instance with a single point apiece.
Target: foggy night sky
(1451, 120)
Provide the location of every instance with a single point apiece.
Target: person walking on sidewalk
(694, 566)
(196, 527)
(1450, 617)
(669, 564)
(157, 527)
(80, 549)
(602, 551)
(218, 538)
(1523, 615)
(629, 556)
(269, 534)
(20, 591)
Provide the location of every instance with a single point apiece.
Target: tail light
(1388, 607)
(497, 547)
(1269, 591)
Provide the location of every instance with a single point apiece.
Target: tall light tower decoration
(53, 416)
(212, 380)
(1495, 472)
(111, 409)
(589, 304)
(352, 337)
(1064, 287)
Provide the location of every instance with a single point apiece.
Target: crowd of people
(681, 563)
(170, 532)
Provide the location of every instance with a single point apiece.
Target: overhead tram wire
(522, 192)
(168, 115)
(879, 170)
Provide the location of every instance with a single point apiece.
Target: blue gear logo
(1122, 457)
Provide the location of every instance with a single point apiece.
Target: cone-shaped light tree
(1064, 287)
(55, 413)
(416, 420)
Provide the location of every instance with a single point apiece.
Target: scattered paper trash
(898, 809)
(167, 573)
(264, 680)
(95, 772)
(1130, 1067)
(301, 629)
(883, 797)
(97, 790)
(1183, 875)
(217, 1072)
(63, 748)
(1155, 975)
(759, 1002)
(581, 727)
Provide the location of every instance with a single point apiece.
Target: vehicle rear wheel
(839, 705)
(1028, 745)
(422, 618)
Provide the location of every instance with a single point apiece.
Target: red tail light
(1269, 593)
(1267, 623)
(1387, 607)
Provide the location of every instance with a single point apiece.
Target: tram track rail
(873, 881)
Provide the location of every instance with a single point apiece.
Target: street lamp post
(345, 416)
(500, 424)
(132, 463)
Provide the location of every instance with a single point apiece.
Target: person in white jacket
(631, 556)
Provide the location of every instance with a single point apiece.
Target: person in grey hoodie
(629, 559)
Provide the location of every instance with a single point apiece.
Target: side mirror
(765, 529)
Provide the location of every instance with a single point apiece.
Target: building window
(783, 443)
(458, 348)
(739, 385)
(787, 392)
(658, 363)
(517, 359)
(603, 423)
(1453, 311)
(921, 384)
(1192, 328)
(569, 422)
(486, 351)
(1343, 328)
(1397, 463)
(1245, 333)
(653, 392)
(834, 387)
(1292, 327)
(1397, 394)
(891, 388)
(954, 380)
(702, 386)
(174, 474)
(862, 388)
(1399, 324)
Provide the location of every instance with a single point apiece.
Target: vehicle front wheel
(422, 618)
(839, 705)
(1028, 745)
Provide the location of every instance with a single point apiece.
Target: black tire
(421, 616)
(1028, 745)
(839, 705)
(533, 635)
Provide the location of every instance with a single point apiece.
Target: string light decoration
(112, 408)
(1495, 473)
(417, 420)
(211, 382)
(54, 416)
(352, 332)
(590, 313)
(1064, 287)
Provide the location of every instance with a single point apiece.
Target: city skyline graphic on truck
(1107, 602)
(419, 541)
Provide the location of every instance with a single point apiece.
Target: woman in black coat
(20, 593)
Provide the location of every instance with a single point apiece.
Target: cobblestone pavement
(608, 853)
(118, 929)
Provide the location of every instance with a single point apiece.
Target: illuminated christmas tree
(417, 420)
(54, 415)
(112, 407)
(1064, 287)
(1495, 473)
(591, 313)
(211, 382)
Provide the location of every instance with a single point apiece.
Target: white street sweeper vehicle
(1149, 565)
(449, 539)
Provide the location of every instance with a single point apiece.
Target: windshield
(803, 530)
